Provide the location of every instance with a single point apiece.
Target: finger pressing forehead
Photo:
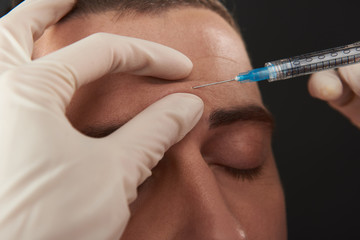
(118, 54)
(56, 76)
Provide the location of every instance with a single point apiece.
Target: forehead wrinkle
(217, 56)
(216, 68)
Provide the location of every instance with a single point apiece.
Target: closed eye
(243, 174)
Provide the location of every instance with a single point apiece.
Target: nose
(182, 200)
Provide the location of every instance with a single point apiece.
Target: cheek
(264, 214)
(259, 204)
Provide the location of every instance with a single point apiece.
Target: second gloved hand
(341, 89)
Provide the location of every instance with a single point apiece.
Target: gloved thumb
(141, 143)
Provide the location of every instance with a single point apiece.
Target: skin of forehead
(215, 48)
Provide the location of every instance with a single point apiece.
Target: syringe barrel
(314, 62)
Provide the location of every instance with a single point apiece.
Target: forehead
(195, 32)
(215, 48)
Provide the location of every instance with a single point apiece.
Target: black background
(317, 149)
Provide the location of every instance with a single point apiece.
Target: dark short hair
(83, 7)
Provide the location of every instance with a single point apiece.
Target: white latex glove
(341, 89)
(56, 183)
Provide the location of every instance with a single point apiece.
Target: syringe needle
(215, 83)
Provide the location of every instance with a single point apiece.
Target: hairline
(75, 13)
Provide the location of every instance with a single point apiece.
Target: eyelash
(244, 174)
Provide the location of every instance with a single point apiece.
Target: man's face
(220, 181)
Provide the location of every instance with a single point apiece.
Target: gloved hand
(56, 183)
(341, 89)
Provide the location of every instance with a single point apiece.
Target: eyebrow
(219, 117)
(252, 113)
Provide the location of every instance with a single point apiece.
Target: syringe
(300, 65)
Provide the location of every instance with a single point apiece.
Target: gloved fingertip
(325, 86)
(152, 132)
(190, 98)
(351, 75)
(179, 66)
(190, 106)
(187, 68)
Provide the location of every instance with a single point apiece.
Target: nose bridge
(209, 216)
